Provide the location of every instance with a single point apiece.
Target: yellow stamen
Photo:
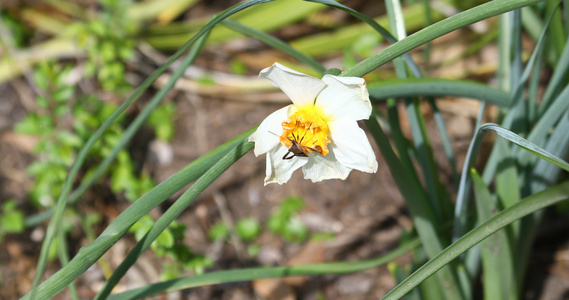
(307, 126)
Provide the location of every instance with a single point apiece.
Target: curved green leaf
(256, 273)
(498, 269)
(464, 187)
(437, 87)
(521, 209)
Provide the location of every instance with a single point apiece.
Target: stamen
(307, 130)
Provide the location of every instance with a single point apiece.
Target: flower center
(307, 129)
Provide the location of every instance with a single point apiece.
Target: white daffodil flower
(319, 131)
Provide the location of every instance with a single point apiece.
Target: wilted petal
(300, 88)
(351, 146)
(320, 167)
(267, 135)
(280, 170)
(345, 97)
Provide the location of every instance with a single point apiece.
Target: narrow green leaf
(508, 188)
(533, 26)
(558, 80)
(531, 21)
(62, 251)
(527, 145)
(437, 87)
(566, 16)
(507, 185)
(514, 49)
(439, 201)
(517, 117)
(402, 144)
(521, 209)
(414, 195)
(256, 273)
(543, 174)
(464, 187)
(541, 129)
(428, 22)
(498, 275)
(558, 37)
(451, 158)
(398, 273)
(466, 281)
(533, 90)
(447, 279)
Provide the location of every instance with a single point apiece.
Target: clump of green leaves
(248, 229)
(285, 222)
(219, 231)
(108, 43)
(57, 143)
(11, 219)
(162, 121)
(170, 243)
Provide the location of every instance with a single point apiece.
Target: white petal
(300, 88)
(351, 146)
(345, 97)
(280, 170)
(320, 167)
(266, 137)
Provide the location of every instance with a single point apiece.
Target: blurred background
(66, 65)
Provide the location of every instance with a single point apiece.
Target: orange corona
(305, 131)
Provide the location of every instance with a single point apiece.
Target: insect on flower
(297, 149)
(318, 131)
